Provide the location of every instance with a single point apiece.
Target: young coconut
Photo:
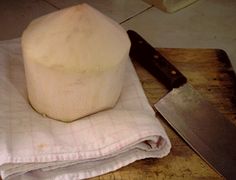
(74, 62)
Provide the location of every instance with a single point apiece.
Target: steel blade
(207, 131)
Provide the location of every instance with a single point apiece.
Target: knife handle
(142, 52)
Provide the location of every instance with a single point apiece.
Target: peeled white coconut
(74, 62)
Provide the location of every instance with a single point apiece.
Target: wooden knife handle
(142, 52)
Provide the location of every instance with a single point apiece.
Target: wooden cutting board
(210, 72)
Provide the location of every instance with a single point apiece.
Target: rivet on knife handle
(154, 62)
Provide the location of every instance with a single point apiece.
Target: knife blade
(195, 119)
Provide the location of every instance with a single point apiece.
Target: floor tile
(16, 14)
(205, 24)
(118, 10)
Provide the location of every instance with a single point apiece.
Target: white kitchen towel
(36, 147)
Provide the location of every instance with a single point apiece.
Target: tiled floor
(15, 15)
(205, 24)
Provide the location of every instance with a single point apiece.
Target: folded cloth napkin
(37, 147)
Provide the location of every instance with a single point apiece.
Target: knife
(195, 119)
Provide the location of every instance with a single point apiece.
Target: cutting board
(210, 72)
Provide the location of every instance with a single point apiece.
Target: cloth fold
(37, 147)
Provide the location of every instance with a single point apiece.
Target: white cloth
(36, 147)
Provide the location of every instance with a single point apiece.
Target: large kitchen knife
(207, 131)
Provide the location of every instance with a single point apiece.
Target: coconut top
(77, 38)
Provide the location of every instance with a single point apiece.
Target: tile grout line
(136, 14)
(46, 1)
(51, 4)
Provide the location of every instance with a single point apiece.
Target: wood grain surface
(210, 72)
